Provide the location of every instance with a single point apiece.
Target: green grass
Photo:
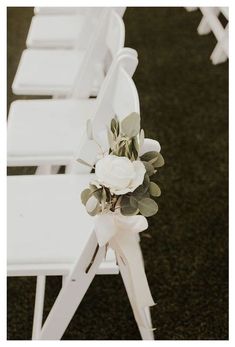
(184, 104)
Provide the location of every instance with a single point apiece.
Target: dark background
(184, 104)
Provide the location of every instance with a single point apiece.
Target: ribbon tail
(131, 265)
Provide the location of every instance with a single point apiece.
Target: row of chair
(72, 55)
(210, 22)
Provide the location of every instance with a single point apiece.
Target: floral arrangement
(123, 174)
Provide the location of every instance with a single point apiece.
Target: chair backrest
(72, 10)
(118, 96)
(107, 39)
(115, 37)
(120, 10)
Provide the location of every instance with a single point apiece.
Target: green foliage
(148, 207)
(154, 189)
(92, 206)
(154, 158)
(130, 126)
(127, 209)
(149, 168)
(111, 138)
(125, 139)
(85, 195)
(141, 138)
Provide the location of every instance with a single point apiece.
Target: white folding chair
(191, 9)
(69, 10)
(65, 30)
(49, 133)
(60, 10)
(210, 22)
(55, 72)
(50, 233)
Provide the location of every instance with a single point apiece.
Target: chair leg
(47, 169)
(220, 52)
(191, 9)
(55, 169)
(38, 307)
(43, 170)
(64, 279)
(218, 55)
(203, 28)
(146, 334)
(69, 298)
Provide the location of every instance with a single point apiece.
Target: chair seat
(62, 31)
(51, 72)
(59, 10)
(46, 131)
(48, 226)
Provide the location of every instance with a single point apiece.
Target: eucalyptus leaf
(154, 189)
(110, 138)
(126, 208)
(135, 142)
(93, 187)
(97, 194)
(141, 138)
(113, 125)
(146, 180)
(152, 155)
(129, 211)
(96, 210)
(147, 207)
(160, 161)
(149, 168)
(143, 188)
(130, 126)
(133, 202)
(135, 147)
(85, 195)
(104, 195)
(91, 204)
(89, 129)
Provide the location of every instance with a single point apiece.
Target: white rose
(119, 174)
(149, 145)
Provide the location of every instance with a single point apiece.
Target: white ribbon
(120, 232)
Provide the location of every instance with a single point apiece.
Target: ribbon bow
(121, 234)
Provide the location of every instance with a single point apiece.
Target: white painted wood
(191, 9)
(64, 279)
(72, 10)
(46, 219)
(53, 132)
(210, 22)
(145, 333)
(58, 71)
(72, 292)
(204, 27)
(38, 307)
(65, 30)
(220, 52)
(16, 270)
(60, 10)
(62, 31)
(48, 225)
